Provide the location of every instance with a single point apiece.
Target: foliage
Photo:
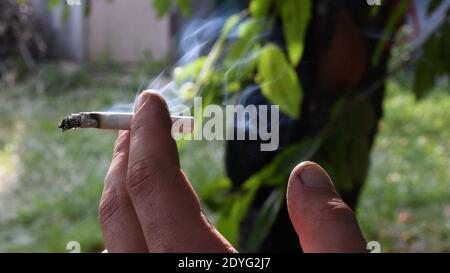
(395, 20)
(248, 56)
(163, 6)
(434, 57)
(53, 4)
(295, 16)
(279, 81)
(434, 61)
(20, 40)
(244, 59)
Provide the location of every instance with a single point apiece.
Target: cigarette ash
(79, 120)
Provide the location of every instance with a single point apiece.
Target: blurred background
(57, 58)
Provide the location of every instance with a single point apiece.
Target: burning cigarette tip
(79, 120)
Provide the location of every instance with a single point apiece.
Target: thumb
(323, 222)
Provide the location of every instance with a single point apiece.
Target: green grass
(406, 202)
(53, 197)
(50, 182)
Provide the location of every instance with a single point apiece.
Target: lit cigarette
(116, 121)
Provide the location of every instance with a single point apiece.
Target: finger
(323, 222)
(166, 205)
(118, 220)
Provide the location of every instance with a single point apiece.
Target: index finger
(165, 203)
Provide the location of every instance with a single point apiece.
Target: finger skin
(120, 226)
(323, 222)
(166, 205)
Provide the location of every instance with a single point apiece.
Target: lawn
(50, 182)
(406, 202)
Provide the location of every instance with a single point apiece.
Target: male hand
(148, 204)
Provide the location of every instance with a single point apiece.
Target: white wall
(125, 29)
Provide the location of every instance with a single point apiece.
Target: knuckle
(140, 175)
(110, 204)
(137, 124)
(335, 210)
(114, 178)
(117, 156)
(121, 143)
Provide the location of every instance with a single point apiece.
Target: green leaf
(277, 172)
(428, 67)
(260, 8)
(274, 174)
(423, 78)
(337, 109)
(209, 66)
(395, 18)
(359, 158)
(189, 71)
(241, 60)
(295, 15)
(360, 122)
(433, 5)
(87, 8)
(338, 167)
(52, 4)
(229, 25)
(66, 13)
(162, 7)
(250, 29)
(264, 220)
(446, 45)
(184, 6)
(231, 216)
(188, 91)
(213, 192)
(279, 81)
(375, 10)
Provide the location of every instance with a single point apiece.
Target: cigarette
(115, 121)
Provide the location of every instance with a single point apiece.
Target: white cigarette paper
(118, 121)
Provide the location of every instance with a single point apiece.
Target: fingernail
(316, 177)
(141, 100)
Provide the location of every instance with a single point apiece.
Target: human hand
(148, 204)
